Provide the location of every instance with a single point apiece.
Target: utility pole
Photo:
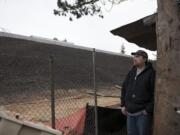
(167, 94)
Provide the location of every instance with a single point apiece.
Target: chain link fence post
(95, 91)
(53, 117)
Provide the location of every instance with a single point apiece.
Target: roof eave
(141, 32)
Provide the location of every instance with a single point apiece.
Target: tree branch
(81, 8)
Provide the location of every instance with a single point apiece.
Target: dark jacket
(138, 94)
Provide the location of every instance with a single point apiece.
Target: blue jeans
(139, 125)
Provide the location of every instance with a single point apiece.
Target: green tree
(122, 50)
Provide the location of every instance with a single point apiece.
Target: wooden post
(166, 119)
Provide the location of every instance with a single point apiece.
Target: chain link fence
(73, 93)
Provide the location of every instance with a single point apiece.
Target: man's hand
(145, 112)
(123, 110)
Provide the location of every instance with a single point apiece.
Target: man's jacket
(138, 92)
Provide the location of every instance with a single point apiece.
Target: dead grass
(40, 111)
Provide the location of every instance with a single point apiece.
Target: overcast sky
(35, 17)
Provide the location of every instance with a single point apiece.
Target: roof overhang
(141, 32)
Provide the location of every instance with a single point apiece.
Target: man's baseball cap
(140, 53)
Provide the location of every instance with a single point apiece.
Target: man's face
(138, 60)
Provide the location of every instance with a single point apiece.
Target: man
(137, 97)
